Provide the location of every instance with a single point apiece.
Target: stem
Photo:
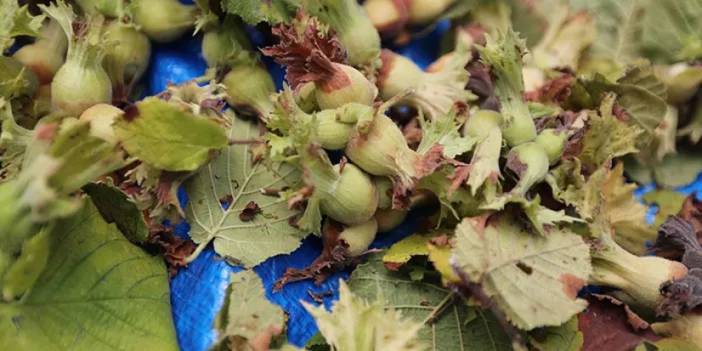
(441, 307)
(198, 250)
(244, 142)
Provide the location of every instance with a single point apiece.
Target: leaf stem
(198, 250)
(446, 302)
(245, 142)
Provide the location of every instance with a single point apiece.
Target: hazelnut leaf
(168, 138)
(98, 291)
(449, 325)
(533, 279)
(247, 317)
(220, 191)
(356, 324)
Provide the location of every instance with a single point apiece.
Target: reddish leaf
(307, 55)
(692, 212)
(608, 326)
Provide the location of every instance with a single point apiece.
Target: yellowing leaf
(569, 185)
(421, 245)
(669, 203)
(98, 292)
(355, 324)
(440, 256)
(533, 279)
(624, 212)
(233, 177)
(449, 324)
(247, 316)
(402, 251)
(604, 199)
(168, 138)
(675, 344)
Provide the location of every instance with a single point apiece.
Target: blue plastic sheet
(197, 292)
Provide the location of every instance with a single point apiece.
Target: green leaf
(454, 204)
(115, 207)
(256, 11)
(98, 292)
(663, 141)
(542, 218)
(355, 324)
(235, 178)
(639, 93)
(444, 131)
(678, 169)
(565, 337)
(13, 143)
(604, 198)
(606, 137)
(16, 80)
(618, 26)
(534, 280)
(83, 155)
(15, 21)
(57, 163)
(453, 325)
(169, 138)
(671, 30)
(642, 75)
(570, 186)
(667, 31)
(247, 314)
(317, 343)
